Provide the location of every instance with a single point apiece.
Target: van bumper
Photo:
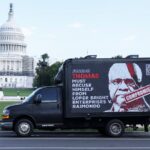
(6, 125)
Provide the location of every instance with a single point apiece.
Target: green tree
(45, 57)
(53, 71)
(45, 73)
(42, 72)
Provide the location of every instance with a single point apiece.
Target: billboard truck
(106, 94)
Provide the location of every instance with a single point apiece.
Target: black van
(99, 93)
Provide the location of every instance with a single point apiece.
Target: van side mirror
(38, 99)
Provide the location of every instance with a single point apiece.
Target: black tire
(24, 128)
(115, 128)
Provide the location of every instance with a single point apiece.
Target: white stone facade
(16, 68)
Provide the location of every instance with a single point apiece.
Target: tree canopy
(44, 72)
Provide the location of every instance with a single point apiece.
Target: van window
(48, 94)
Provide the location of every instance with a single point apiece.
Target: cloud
(28, 31)
(130, 38)
(76, 25)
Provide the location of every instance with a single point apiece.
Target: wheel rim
(24, 128)
(116, 128)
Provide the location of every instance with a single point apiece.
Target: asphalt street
(74, 141)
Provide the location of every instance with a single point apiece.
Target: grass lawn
(4, 104)
(17, 91)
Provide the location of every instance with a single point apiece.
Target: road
(74, 141)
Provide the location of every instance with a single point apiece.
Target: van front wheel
(115, 128)
(24, 128)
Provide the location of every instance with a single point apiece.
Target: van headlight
(6, 113)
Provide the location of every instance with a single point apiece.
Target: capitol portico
(16, 68)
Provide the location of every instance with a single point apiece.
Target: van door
(50, 108)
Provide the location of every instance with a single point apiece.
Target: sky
(75, 28)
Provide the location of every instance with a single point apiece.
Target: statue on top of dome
(10, 14)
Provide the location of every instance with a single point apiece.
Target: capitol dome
(11, 37)
(16, 68)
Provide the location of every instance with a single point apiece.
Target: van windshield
(30, 96)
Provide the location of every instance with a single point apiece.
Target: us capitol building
(16, 68)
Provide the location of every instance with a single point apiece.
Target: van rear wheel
(115, 128)
(24, 128)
